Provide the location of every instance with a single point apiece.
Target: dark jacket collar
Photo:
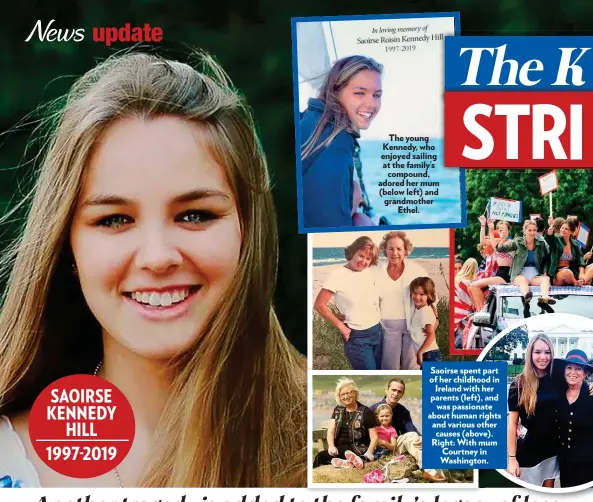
(318, 106)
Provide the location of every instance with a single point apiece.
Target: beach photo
(550, 431)
(367, 428)
(380, 300)
(369, 123)
(525, 252)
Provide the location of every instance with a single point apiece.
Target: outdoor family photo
(368, 429)
(550, 402)
(380, 299)
(526, 251)
(369, 126)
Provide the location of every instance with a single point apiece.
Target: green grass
(374, 383)
(328, 347)
(442, 332)
(514, 369)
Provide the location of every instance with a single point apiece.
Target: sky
(438, 237)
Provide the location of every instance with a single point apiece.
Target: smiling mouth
(366, 115)
(161, 299)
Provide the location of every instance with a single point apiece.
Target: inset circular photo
(550, 401)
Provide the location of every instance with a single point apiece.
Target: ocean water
(331, 256)
(446, 208)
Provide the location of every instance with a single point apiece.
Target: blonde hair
(467, 272)
(382, 407)
(528, 223)
(334, 113)
(242, 375)
(345, 382)
(396, 234)
(527, 382)
(504, 223)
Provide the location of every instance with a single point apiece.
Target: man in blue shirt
(409, 439)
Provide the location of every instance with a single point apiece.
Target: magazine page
(315, 252)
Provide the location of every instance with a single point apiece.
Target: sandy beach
(430, 265)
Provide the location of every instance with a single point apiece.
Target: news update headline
(518, 102)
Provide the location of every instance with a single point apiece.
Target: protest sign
(505, 209)
(548, 182)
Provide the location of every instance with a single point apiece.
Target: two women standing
(551, 399)
(376, 308)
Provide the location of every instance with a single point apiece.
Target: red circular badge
(82, 426)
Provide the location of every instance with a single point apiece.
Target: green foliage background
(373, 383)
(573, 197)
(501, 350)
(252, 40)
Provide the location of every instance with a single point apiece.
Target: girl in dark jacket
(529, 265)
(348, 101)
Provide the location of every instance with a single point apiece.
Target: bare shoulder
(46, 476)
(20, 424)
(14, 430)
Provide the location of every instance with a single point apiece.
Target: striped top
(503, 255)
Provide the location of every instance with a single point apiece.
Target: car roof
(512, 290)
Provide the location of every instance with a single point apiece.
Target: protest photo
(525, 252)
(369, 124)
(380, 299)
(549, 402)
(368, 429)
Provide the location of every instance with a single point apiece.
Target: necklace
(114, 470)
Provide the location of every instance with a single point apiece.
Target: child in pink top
(387, 436)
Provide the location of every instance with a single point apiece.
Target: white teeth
(165, 299)
(155, 299)
(366, 115)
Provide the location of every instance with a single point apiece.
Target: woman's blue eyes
(195, 216)
(117, 221)
(362, 93)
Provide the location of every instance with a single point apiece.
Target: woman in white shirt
(393, 286)
(353, 289)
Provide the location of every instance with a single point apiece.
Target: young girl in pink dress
(385, 432)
